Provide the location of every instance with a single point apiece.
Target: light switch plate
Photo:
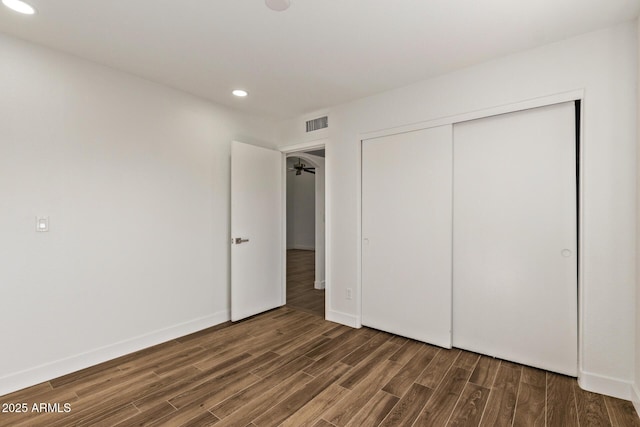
(42, 224)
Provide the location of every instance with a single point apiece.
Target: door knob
(239, 240)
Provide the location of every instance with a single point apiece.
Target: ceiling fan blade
(309, 170)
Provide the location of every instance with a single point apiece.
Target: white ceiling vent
(317, 124)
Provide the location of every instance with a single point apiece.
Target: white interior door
(406, 229)
(515, 237)
(256, 230)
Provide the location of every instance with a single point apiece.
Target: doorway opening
(305, 231)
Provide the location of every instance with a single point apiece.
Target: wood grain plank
(332, 345)
(238, 373)
(33, 418)
(534, 376)
(592, 409)
(146, 418)
(530, 407)
(298, 399)
(408, 408)
(401, 382)
(109, 365)
(288, 346)
(169, 390)
(222, 364)
(265, 402)
(561, 402)
(301, 292)
(191, 415)
(467, 360)
(407, 350)
(361, 370)
(111, 400)
(206, 419)
(101, 416)
(398, 339)
(309, 413)
(339, 353)
(622, 412)
(376, 410)
(439, 408)
(255, 391)
(438, 368)
(336, 331)
(501, 406)
(344, 410)
(363, 352)
(268, 368)
(469, 408)
(485, 371)
(107, 417)
(214, 391)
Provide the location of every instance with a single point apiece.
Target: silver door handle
(239, 240)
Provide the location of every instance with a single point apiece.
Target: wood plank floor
(291, 368)
(300, 277)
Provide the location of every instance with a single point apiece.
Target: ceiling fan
(300, 167)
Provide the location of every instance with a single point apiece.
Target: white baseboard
(319, 285)
(635, 398)
(36, 375)
(343, 318)
(301, 247)
(606, 385)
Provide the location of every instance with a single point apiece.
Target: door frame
(575, 95)
(286, 151)
(317, 163)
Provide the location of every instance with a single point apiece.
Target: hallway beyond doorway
(300, 276)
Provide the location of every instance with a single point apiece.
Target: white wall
(135, 179)
(604, 65)
(300, 209)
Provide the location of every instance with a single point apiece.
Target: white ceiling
(317, 54)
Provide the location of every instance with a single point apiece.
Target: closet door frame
(576, 95)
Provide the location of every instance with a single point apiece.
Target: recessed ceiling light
(278, 5)
(240, 93)
(19, 6)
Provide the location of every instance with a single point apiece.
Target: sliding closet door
(406, 230)
(515, 238)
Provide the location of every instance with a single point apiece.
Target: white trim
(343, 318)
(319, 143)
(319, 285)
(283, 237)
(606, 385)
(479, 114)
(581, 237)
(635, 398)
(49, 371)
(328, 224)
(358, 295)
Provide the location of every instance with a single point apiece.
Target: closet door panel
(406, 230)
(515, 237)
